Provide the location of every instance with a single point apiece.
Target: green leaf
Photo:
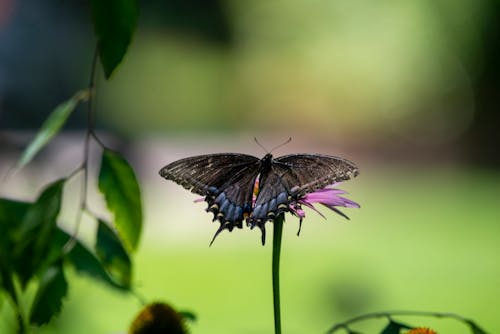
(7, 283)
(188, 315)
(114, 25)
(394, 328)
(48, 299)
(11, 216)
(85, 262)
(51, 127)
(113, 255)
(33, 239)
(42, 215)
(475, 329)
(119, 185)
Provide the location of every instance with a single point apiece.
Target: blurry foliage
(118, 183)
(394, 327)
(51, 126)
(113, 256)
(48, 300)
(33, 248)
(114, 24)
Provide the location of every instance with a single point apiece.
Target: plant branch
(389, 314)
(86, 153)
(90, 109)
(21, 318)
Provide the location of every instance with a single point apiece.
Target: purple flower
(328, 196)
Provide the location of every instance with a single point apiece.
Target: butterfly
(241, 187)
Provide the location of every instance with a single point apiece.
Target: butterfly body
(240, 187)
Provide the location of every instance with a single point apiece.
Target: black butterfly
(227, 181)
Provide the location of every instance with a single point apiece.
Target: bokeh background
(409, 90)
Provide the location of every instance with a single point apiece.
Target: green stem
(22, 325)
(22, 322)
(277, 233)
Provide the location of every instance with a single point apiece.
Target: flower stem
(277, 233)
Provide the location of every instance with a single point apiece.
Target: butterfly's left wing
(293, 176)
(202, 173)
(226, 180)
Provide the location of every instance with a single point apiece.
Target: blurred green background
(406, 89)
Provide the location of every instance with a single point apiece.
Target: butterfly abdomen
(267, 211)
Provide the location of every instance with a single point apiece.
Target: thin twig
(98, 140)
(76, 171)
(86, 154)
(389, 314)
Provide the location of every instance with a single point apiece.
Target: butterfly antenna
(261, 146)
(283, 144)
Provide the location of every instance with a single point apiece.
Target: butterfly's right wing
(306, 173)
(226, 180)
(293, 176)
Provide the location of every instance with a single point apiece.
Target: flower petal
(309, 205)
(329, 197)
